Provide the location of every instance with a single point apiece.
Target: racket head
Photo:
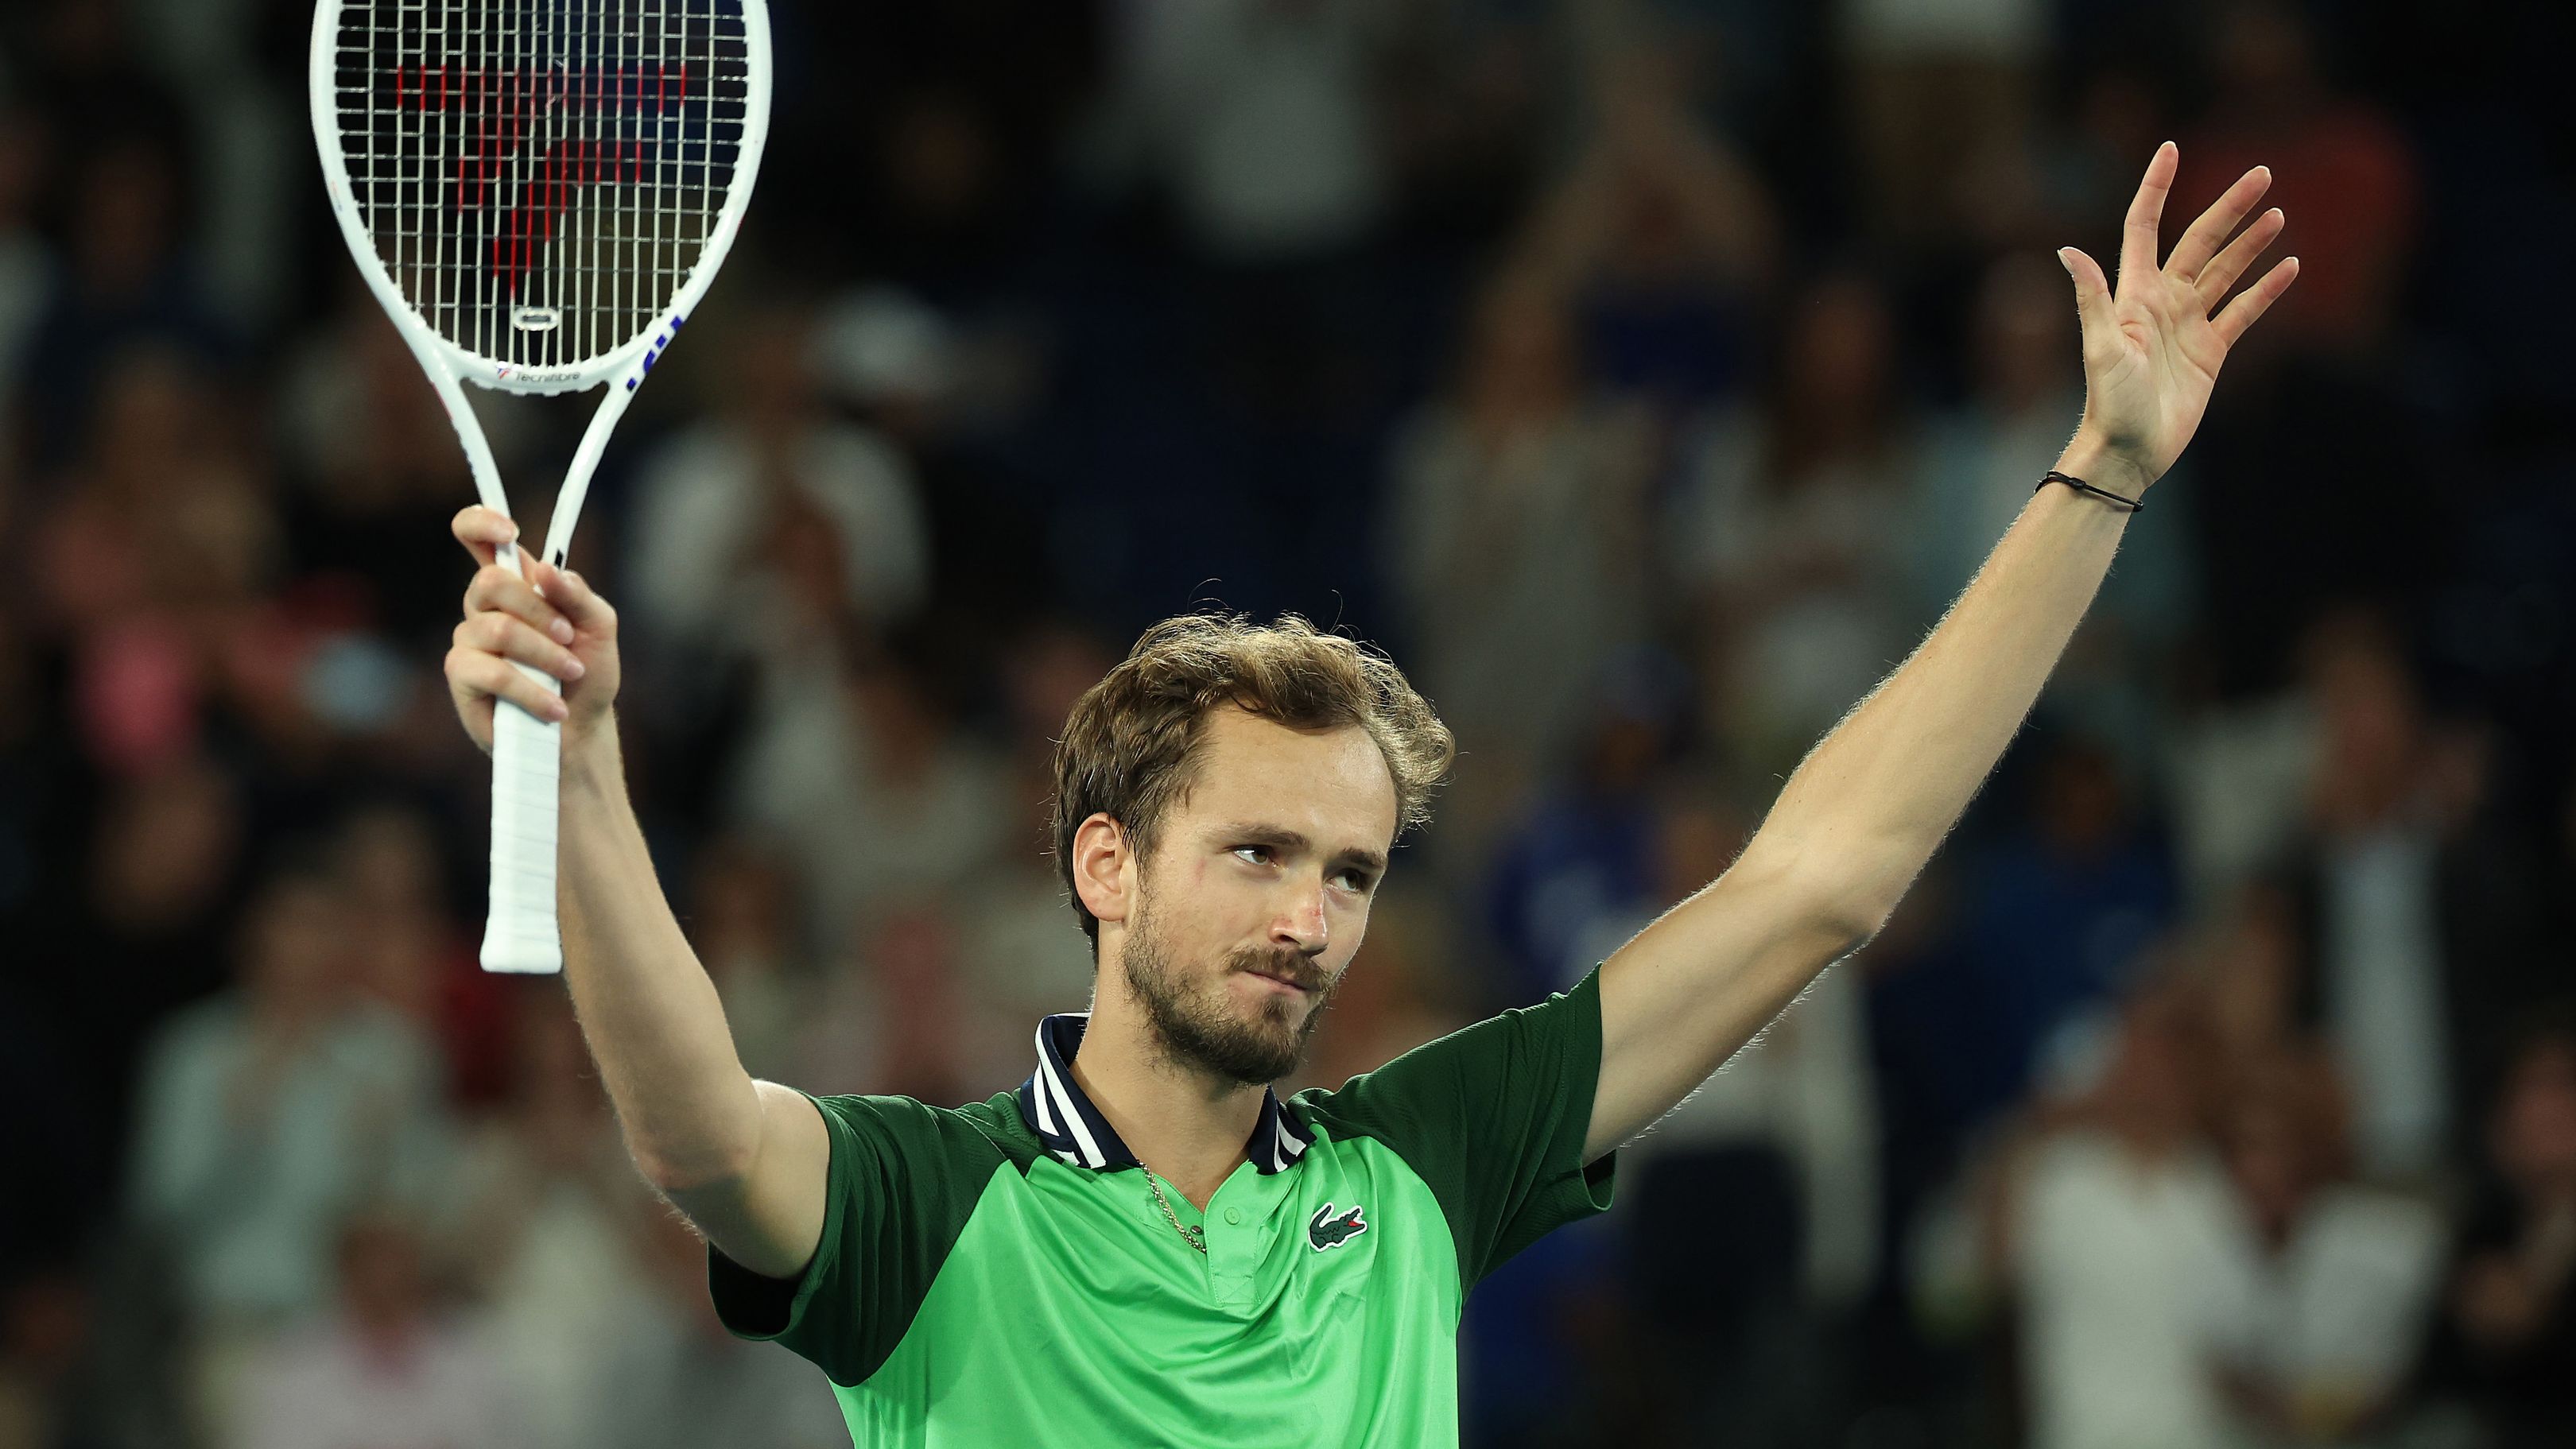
(539, 191)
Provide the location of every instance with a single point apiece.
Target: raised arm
(1858, 820)
(745, 1160)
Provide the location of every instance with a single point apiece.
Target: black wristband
(2080, 486)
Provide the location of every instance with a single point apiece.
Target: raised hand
(560, 626)
(2153, 347)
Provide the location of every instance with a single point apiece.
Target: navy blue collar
(1056, 1109)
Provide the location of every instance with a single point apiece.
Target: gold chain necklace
(1195, 1237)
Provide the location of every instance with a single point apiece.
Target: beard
(1196, 1021)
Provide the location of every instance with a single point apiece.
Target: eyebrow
(1286, 839)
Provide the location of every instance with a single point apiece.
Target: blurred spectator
(2247, 955)
(939, 127)
(2422, 924)
(933, 1043)
(1582, 866)
(539, 1213)
(2340, 168)
(1664, 238)
(1751, 1220)
(387, 1367)
(1260, 117)
(678, 1380)
(1263, 128)
(271, 1113)
(125, 281)
(415, 956)
(2057, 916)
(1465, 128)
(154, 564)
(1022, 955)
(741, 920)
(760, 533)
(2511, 1328)
(165, 858)
(2348, 1273)
(1517, 516)
(1785, 535)
(244, 115)
(941, 392)
(160, 479)
(864, 776)
(1936, 90)
(2235, 775)
(377, 473)
(2131, 1257)
(2379, 955)
(1397, 994)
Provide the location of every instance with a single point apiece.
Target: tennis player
(1141, 1244)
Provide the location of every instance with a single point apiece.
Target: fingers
(2138, 234)
(2227, 266)
(571, 593)
(2202, 240)
(473, 673)
(2092, 293)
(494, 633)
(498, 588)
(2254, 301)
(483, 531)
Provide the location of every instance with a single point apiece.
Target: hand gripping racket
(539, 192)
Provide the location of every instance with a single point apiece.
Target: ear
(1103, 868)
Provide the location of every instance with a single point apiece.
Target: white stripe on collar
(1061, 1116)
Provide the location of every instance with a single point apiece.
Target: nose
(1301, 927)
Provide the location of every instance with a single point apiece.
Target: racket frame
(522, 933)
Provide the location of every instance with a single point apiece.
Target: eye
(1359, 881)
(1261, 851)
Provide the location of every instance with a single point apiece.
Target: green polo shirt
(999, 1274)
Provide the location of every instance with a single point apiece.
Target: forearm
(689, 1110)
(1864, 812)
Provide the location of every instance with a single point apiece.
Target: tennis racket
(539, 192)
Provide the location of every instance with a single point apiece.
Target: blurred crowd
(1646, 375)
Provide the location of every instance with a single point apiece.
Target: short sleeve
(904, 1178)
(1493, 1119)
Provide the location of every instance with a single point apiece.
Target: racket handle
(521, 937)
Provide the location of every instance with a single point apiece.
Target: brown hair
(1131, 745)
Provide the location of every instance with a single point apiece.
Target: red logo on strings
(502, 108)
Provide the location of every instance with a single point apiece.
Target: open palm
(2153, 347)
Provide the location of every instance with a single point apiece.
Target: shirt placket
(1241, 1221)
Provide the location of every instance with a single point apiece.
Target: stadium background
(1645, 375)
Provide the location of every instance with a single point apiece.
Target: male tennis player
(1141, 1244)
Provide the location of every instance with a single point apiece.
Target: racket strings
(541, 176)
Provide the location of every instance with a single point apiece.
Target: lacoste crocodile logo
(1326, 1230)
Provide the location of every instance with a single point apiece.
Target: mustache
(1289, 966)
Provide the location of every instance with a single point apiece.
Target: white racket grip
(521, 937)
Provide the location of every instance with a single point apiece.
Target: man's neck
(1188, 1126)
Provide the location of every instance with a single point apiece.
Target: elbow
(1832, 906)
(699, 1141)
(1859, 924)
(673, 1168)
(1852, 906)
(1845, 897)
(1844, 919)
